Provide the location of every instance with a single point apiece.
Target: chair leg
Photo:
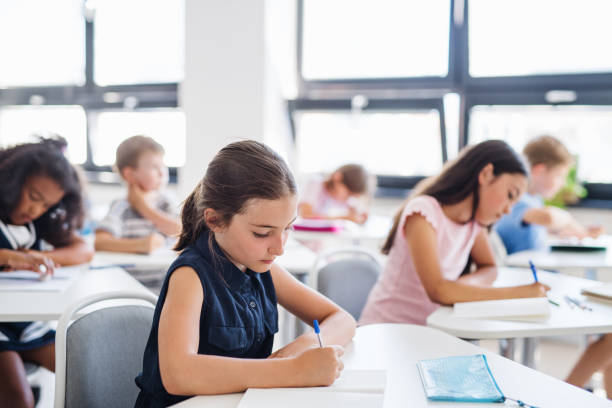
(507, 348)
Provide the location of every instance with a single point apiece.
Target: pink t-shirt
(399, 296)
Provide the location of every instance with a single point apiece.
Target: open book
(30, 281)
(506, 309)
(354, 388)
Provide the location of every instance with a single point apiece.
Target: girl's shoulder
(426, 206)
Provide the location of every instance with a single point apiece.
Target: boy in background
(526, 228)
(140, 222)
(529, 222)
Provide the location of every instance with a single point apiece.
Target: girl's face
(256, 237)
(38, 194)
(498, 194)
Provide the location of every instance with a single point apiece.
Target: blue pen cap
(315, 323)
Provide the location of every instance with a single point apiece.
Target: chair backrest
(99, 355)
(348, 277)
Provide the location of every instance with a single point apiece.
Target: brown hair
(239, 172)
(130, 150)
(547, 150)
(459, 178)
(354, 177)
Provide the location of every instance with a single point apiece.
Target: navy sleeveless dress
(238, 317)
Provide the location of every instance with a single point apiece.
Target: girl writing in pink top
(440, 228)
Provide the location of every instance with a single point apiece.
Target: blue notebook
(459, 379)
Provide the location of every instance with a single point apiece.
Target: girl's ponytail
(192, 219)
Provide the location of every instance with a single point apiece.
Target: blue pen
(315, 323)
(533, 270)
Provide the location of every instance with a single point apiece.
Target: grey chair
(346, 276)
(99, 354)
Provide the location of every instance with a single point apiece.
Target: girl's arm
(185, 372)
(337, 325)
(482, 256)
(306, 211)
(76, 252)
(421, 238)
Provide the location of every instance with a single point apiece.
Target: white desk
(397, 348)
(565, 261)
(372, 232)
(16, 306)
(297, 259)
(563, 320)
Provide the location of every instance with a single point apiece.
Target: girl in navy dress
(40, 199)
(216, 316)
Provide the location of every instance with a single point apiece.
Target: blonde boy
(139, 222)
(529, 222)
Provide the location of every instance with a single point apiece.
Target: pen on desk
(315, 323)
(533, 270)
(552, 302)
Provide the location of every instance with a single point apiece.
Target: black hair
(44, 158)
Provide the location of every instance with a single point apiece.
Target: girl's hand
(536, 289)
(319, 366)
(31, 261)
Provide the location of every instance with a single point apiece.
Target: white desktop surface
(563, 319)
(375, 229)
(158, 259)
(297, 259)
(564, 260)
(18, 306)
(397, 348)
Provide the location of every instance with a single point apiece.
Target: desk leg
(529, 347)
(506, 348)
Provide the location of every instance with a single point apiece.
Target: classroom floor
(554, 357)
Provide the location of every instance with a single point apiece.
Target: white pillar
(222, 94)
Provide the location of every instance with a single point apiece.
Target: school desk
(19, 305)
(564, 319)
(600, 261)
(397, 348)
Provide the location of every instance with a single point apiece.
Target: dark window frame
(590, 89)
(90, 97)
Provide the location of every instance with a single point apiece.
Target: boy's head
(140, 161)
(550, 161)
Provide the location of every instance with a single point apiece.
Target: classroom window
(375, 39)
(19, 124)
(580, 128)
(523, 37)
(404, 143)
(152, 52)
(37, 50)
(167, 127)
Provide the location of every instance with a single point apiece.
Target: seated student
(442, 224)
(136, 223)
(40, 200)
(527, 225)
(337, 196)
(216, 316)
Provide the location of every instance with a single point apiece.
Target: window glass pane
(375, 39)
(578, 127)
(523, 37)
(397, 143)
(138, 41)
(43, 43)
(20, 124)
(166, 127)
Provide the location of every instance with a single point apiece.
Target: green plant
(570, 193)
